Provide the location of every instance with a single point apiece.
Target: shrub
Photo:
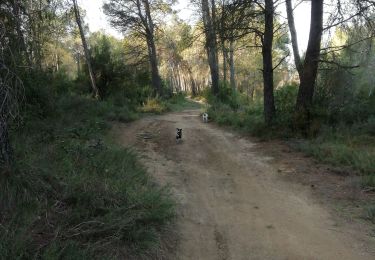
(153, 105)
(73, 194)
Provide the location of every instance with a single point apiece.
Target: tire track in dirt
(232, 204)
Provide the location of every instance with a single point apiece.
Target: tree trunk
(192, 81)
(311, 63)
(21, 39)
(179, 78)
(78, 64)
(231, 64)
(85, 48)
(269, 104)
(156, 81)
(211, 45)
(293, 35)
(5, 148)
(224, 51)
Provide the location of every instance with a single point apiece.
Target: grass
(370, 213)
(177, 102)
(74, 194)
(345, 147)
(352, 146)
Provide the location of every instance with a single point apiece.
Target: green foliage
(116, 78)
(237, 112)
(343, 147)
(76, 195)
(179, 102)
(154, 105)
(176, 102)
(285, 100)
(226, 96)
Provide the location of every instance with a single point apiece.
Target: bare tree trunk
(224, 51)
(5, 148)
(231, 64)
(78, 64)
(155, 77)
(194, 91)
(156, 80)
(85, 48)
(211, 45)
(57, 62)
(269, 104)
(293, 34)
(311, 63)
(179, 78)
(21, 38)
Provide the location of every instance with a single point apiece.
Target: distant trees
(175, 39)
(85, 49)
(139, 16)
(235, 20)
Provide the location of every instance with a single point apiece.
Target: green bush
(154, 105)
(285, 100)
(74, 194)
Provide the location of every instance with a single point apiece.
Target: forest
(68, 190)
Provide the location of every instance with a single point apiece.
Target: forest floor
(239, 198)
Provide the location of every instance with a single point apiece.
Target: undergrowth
(342, 144)
(73, 193)
(158, 105)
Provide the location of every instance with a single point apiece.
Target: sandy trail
(232, 203)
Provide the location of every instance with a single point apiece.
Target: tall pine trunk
(211, 45)
(293, 36)
(311, 62)
(155, 76)
(224, 51)
(85, 49)
(269, 103)
(5, 148)
(231, 65)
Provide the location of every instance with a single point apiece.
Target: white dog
(205, 118)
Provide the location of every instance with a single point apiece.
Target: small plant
(370, 213)
(154, 105)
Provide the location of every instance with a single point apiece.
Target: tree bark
(311, 63)
(155, 77)
(231, 64)
(224, 51)
(5, 148)
(21, 39)
(293, 35)
(86, 50)
(211, 45)
(269, 103)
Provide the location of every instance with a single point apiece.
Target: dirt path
(232, 203)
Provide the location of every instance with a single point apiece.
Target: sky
(97, 20)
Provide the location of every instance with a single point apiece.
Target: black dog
(178, 134)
